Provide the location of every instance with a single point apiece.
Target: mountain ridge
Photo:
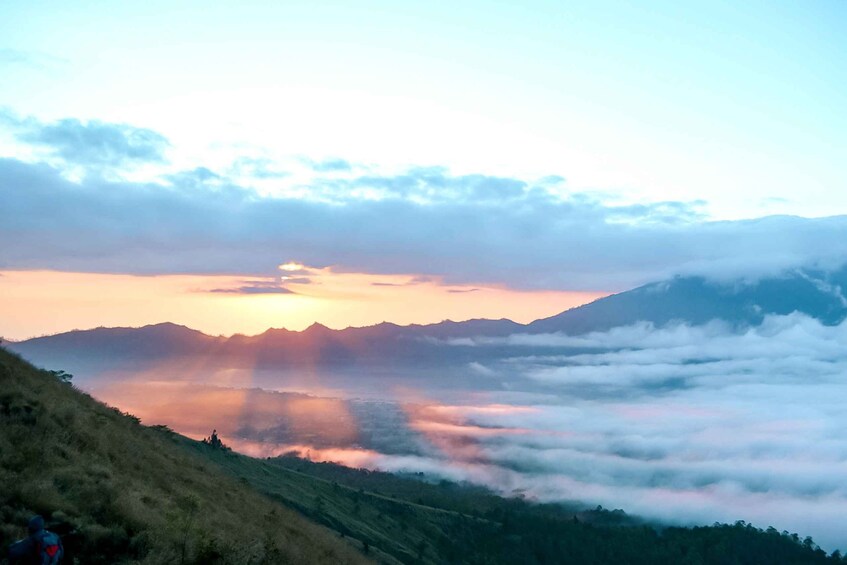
(389, 346)
(800, 282)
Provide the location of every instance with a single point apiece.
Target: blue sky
(515, 148)
(742, 106)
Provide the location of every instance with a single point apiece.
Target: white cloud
(690, 424)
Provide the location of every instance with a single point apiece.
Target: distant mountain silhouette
(692, 300)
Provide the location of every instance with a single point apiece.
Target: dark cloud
(94, 143)
(298, 280)
(194, 178)
(411, 282)
(435, 223)
(259, 289)
(330, 166)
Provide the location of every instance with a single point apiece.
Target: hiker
(40, 547)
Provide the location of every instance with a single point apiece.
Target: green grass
(122, 492)
(417, 522)
(393, 528)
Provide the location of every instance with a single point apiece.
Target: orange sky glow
(46, 302)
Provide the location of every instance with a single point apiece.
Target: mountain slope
(123, 492)
(416, 522)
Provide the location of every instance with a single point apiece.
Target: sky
(536, 155)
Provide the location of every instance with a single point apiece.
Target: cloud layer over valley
(680, 424)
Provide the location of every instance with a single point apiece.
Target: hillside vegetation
(119, 491)
(418, 522)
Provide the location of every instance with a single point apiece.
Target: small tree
(62, 376)
(214, 441)
(421, 547)
(181, 519)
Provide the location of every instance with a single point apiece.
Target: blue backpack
(49, 548)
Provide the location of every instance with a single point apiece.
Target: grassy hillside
(122, 492)
(407, 519)
(417, 522)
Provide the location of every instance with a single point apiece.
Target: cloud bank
(686, 424)
(525, 237)
(471, 229)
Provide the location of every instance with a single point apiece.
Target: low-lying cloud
(680, 424)
(254, 289)
(527, 237)
(690, 424)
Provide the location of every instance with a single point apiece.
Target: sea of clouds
(682, 424)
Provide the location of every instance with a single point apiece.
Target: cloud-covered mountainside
(697, 300)
(639, 400)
